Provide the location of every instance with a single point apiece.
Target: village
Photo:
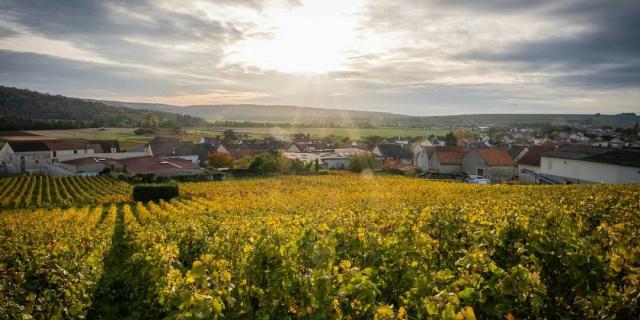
(476, 155)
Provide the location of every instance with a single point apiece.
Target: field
(44, 191)
(352, 133)
(325, 247)
(128, 139)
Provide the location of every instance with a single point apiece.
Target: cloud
(405, 56)
(84, 79)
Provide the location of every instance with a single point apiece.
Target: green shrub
(154, 192)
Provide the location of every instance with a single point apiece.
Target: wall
(500, 173)
(421, 160)
(337, 163)
(525, 178)
(62, 155)
(472, 161)
(118, 155)
(447, 168)
(579, 171)
(35, 161)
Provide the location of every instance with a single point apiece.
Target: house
(88, 166)
(63, 148)
(237, 152)
(164, 147)
(518, 151)
(494, 164)
(328, 159)
(29, 156)
(165, 167)
(105, 146)
(588, 164)
(212, 141)
(203, 150)
(309, 146)
(447, 160)
(529, 163)
(421, 157)
(393, 151)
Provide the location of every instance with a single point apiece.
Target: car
(478, 181)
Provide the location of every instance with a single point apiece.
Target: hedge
(154, 192)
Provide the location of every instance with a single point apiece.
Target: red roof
(432, 149)
(152, 164)
(83, 161)
(496, 157)
(451, 157)
(68, 144)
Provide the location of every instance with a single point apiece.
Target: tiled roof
(153, 165)
(496, 157)
(172, 148)
(451, 157)
(432, 149)
(84, 161)
(67, 144)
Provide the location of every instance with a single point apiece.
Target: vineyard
(44, 191)
(329, 247)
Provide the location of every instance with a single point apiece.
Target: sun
(313, 38)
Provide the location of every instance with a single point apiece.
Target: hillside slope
(275, 113)
(22, 109)
(295, 114)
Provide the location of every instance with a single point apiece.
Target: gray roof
(572, 151)
(28, 146)
(629, 158)
(623, 157)
(394, 151)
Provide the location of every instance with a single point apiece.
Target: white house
(590, 165)
(328, 159)
(29, 156)
(169, 147)
(495, 164)
(529, 164)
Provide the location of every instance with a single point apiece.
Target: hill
(267, 113)
(307, 115)
(22, 109)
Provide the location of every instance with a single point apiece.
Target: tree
(462, 133)
(450, 140)
(229, 135)
(362, 162)
(219, 160)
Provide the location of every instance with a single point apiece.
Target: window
(75, 151)
(480, 172)
(36, 161)
(55, 154)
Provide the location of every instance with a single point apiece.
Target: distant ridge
(256, 112)
(22, 109)
(297, 114)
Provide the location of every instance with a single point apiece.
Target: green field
(129, 140)
(352, 133)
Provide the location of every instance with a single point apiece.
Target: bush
(154, 192)
(143, 131)
(362, 162)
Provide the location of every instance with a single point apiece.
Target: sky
(418, 57)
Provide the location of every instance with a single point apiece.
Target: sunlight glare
(313, 38)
